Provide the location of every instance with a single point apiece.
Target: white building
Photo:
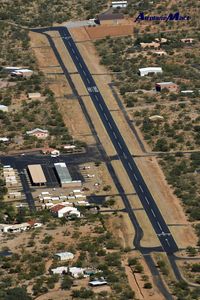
(119, 4)
(98, 282)
(4, 139)
(22, 73)
(61, 211)
(34, 96)
(5, 228)
(64, 256)
(59, 270)
(150, 70)
(4, 108)
(76, 272)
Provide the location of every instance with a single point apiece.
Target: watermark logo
(170, 17)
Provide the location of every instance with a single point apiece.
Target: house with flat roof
(38, 133)
(150, 45)
(22, 73)
(170, 86)
(150, 70)
(34, 96)
(76, 272)
(3, 108)
(60, 270)
(64, 256)
(119, 4)
(36, 175)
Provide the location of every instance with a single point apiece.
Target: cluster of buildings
(76, 272)
(76, 196)
(9, 175)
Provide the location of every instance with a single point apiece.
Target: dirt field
(107, 28)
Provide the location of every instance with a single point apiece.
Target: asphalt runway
(160, 227)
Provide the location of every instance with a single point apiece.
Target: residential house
(98, 282)
(61, 211)
(60, 270)
(119, 4)
(76, 272)
(150, 45)
(187, 40)
(38, 133)
(3, 108)
(160, 52)
(22, 73)
(170, 86)
(150, 70)
(34, 96)
(64, 256)
(156, 118)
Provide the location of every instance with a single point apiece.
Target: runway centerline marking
(101, 106)
(109, 125)
(88, 80)
(105, 117)
(135, 177)
(159, 225)
(73, 51)
(167, 242)
(114, 135)
(153, 213)
(120, 146)
(124, 155)
(141, 189)
(146, 199)
(130, 166)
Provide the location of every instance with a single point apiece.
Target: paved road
(166, 239)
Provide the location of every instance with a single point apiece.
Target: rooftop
(37, 174)
(63, 172)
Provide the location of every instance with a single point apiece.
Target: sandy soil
(122, 229)
(79, 34)
(121, 27)
(109, 30)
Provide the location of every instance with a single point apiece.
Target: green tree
(17, 293)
